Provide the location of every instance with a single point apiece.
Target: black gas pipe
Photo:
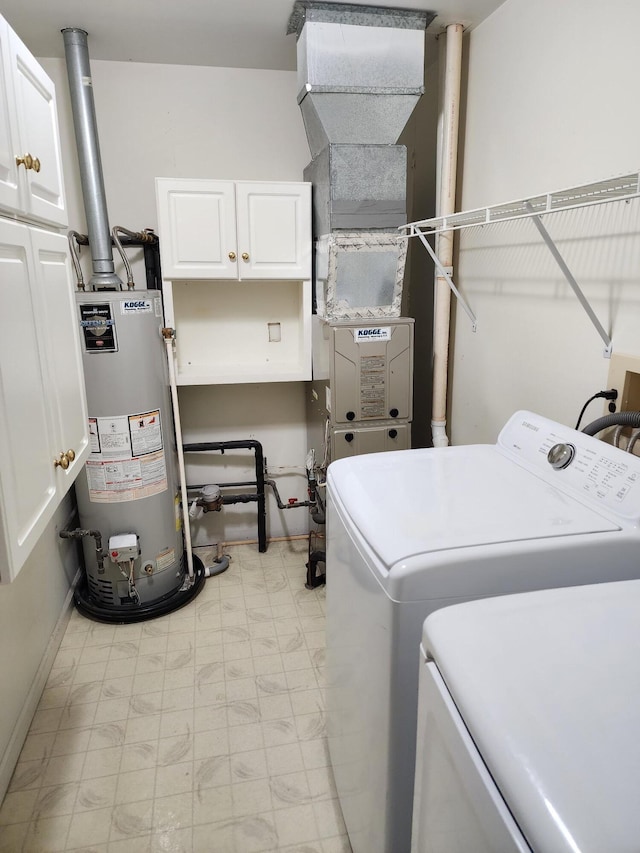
(258, 496)
(260, 482)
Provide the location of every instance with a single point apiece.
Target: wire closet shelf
(620, 188)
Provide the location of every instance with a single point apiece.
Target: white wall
(33, 612)
(183, 121)
(549, 105)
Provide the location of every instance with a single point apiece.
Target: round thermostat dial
(561, 455)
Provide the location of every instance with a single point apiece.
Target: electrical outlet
(624, 374)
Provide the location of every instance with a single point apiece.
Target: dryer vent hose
(631, 419)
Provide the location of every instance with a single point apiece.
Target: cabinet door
(9, 196)
(64, 373)
(28, 479)
(197, 229)
(274, 230)
(38, 136)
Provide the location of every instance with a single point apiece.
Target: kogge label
(372, 334)
(136, 306)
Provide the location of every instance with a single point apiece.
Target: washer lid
(413, 502)
(548, 684)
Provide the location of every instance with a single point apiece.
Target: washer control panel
(574, 461)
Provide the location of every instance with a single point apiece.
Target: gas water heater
(128, 497)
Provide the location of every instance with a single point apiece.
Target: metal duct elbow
(84, 120)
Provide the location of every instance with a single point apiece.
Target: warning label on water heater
(127, 459)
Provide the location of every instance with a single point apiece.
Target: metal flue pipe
(84, 121)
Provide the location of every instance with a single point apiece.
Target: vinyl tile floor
(202, 731)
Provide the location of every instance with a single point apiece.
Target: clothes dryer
(413, 531)
(528, 719)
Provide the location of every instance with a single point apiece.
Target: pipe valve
(210, 500)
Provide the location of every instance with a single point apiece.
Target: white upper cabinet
(9, 194)
(236, 269)
(31, 184)
(197, 224)
(229, 230)
(274, 239)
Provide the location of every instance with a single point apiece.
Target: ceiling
(226, 33)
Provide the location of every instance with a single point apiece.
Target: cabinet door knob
(232, 256)
(71, 455)
(28, 162)
(245, 256)
(63, 462)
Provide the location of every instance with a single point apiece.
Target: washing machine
(528, 724)
(413, 531)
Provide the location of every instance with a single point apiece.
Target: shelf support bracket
(548, 239)
(443, 272)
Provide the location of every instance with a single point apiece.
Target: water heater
(129, 491)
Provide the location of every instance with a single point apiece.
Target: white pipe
(447, 158)
(169, 338)
(439, 434)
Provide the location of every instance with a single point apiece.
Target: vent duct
(360, 70)
(360, 75)
(104, 276)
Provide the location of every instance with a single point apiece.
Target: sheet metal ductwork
(360, 70)
(104, 276)
(360, 75)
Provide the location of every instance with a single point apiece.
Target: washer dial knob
(561, 455)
